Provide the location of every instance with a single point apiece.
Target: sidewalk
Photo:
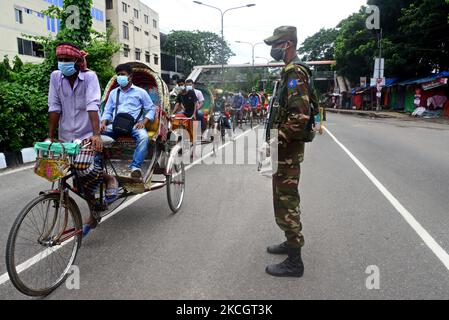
(372, 114)
(385, 114)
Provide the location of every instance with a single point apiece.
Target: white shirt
(199, 96)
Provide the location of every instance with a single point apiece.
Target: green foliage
(355, 47)
(22, 110)
(82, 34)
(101, 48)
(320, 46)
(425, 36)
(198, 48)
(5, 69)
(415, 39)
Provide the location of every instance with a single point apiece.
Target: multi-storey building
(136, 28)
(24, 17)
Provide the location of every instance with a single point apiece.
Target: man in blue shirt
(237, 108)
(136, 102)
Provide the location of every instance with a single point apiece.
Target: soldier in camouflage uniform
(292, 120)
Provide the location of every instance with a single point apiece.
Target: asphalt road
(215, 247)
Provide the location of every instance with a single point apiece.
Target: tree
(76, 21)
(355, 47)
(197, 48)
(415, 39)
(320, 46)
(425, 36)
(415, 35)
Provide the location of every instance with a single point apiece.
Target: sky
(252, 24)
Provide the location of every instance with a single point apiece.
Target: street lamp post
(253, 45)
(222, 28)
(265, 83)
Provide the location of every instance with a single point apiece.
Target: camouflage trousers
(286, 196)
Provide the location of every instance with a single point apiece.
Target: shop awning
(425, 80)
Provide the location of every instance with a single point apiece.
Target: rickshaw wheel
(176, 186)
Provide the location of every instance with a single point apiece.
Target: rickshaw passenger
(136, 102)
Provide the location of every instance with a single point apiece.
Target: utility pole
(265, 74)
(379, 85)
(253, 45)
(176, 60)
(222, 30)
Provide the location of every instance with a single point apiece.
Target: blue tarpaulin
(436, 76)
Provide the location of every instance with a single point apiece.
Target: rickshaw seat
(107, 141)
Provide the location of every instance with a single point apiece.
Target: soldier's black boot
(278, 249)
(292, 267)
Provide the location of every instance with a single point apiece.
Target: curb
(28, 155)
(371, 114)
(2, 161)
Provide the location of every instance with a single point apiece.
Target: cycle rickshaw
(189, 129)
(256, 113)
(45, 238)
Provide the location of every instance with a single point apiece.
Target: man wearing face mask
(133, 101)
(186, 100)
(190, 86)
(73, 106)
(291, 121)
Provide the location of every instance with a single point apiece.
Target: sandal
(111, 193)
(88, 227)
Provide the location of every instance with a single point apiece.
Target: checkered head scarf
(67, 49)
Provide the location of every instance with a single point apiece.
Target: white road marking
(16, 170)
(32, 261)
(416, 226)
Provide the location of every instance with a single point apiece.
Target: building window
(155, 24)
(30, 48)
(147, 33)
(136, 13)
(125, 30)
(109, 5)
(138, 54)
(125, 7)
(156, 59)
(29, 11)
(147, 57)
(19, 17)
(126, 50)
(108, 24)
(97, 14)
(146, 19)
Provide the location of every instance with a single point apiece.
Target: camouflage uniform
(291, 121)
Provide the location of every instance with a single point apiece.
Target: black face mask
(278, 54)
